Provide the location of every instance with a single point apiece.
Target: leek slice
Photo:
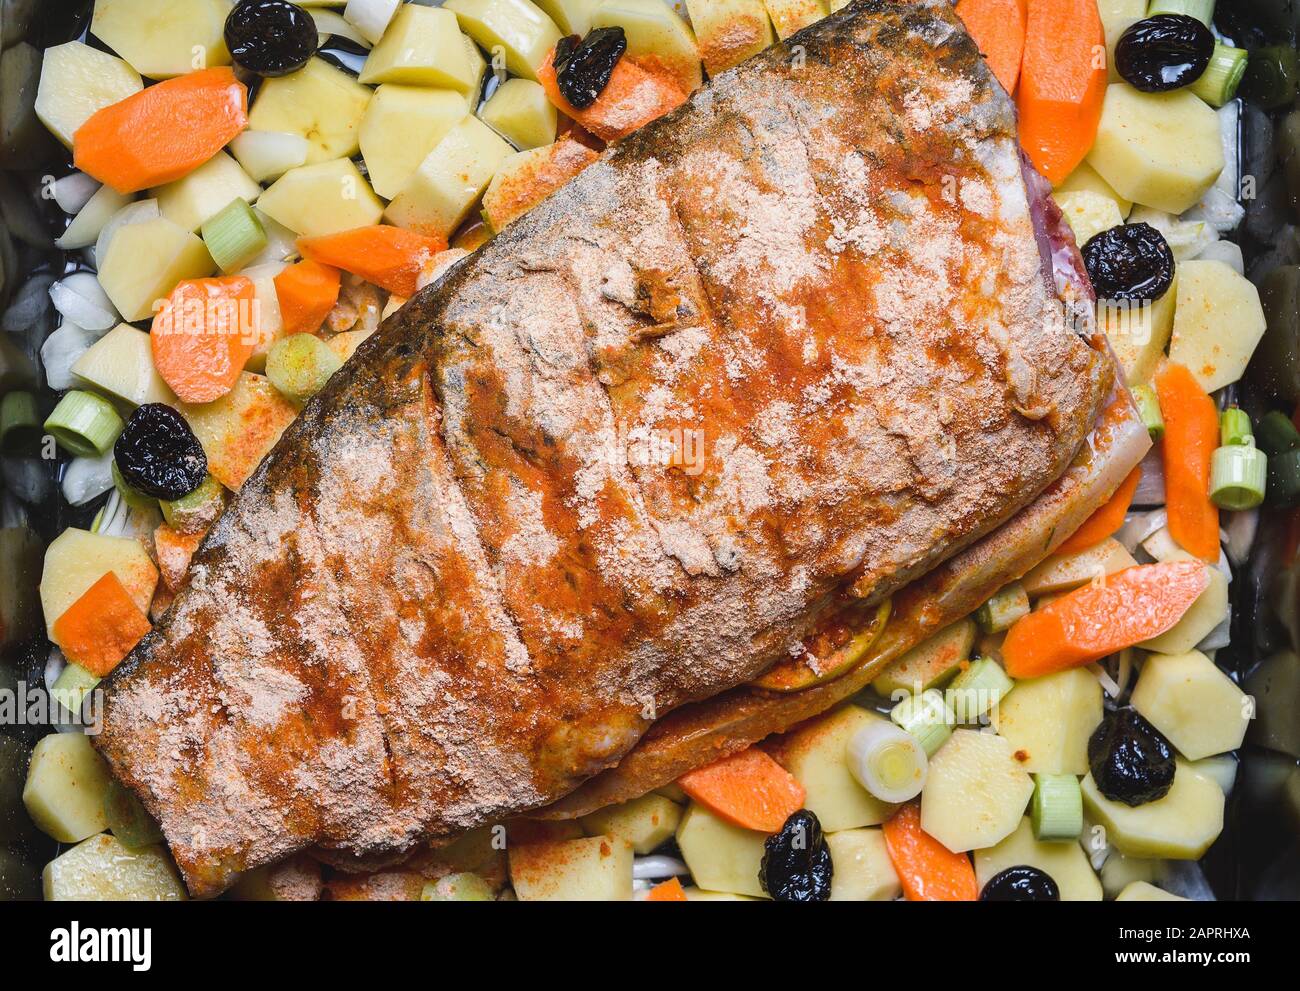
(1234, 427)
(1009, 604)
(84, 424)
(927, 717)
(1056, 810)
(234, 235)
(887, 761)
(1149, 409)
(1238, 477)
(979, 688)
(1219, 82)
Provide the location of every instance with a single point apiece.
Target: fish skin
(441, 601)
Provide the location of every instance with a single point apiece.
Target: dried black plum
(1130, 761)
(582, 69)
(1129, 262)
(1021, 884)
(1164, 52)
(270, 37)
(158, 453)
(797, 862)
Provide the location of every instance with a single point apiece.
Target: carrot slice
(163, 132)
(307, 291)
(998, 27)
(635, 95)
(1107, 520)
(204, 335)
(748, 789)
(1191, 435)
(387, 256)
(1085, 625)
(101, 627)
(173, 550)
(669, 891)
(929, 871)
(1062, 84)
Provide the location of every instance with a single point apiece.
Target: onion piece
(1242, 528)
(61, 351)
(654, 867)
(1151, 487)
(81, 299)
(1138, 526)
(86, 478)
(74, 191)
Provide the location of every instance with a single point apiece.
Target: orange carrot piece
(636, 94)
(748, 789)
(307, 291)
(1062, 84)
(203, 336)
(101, 627)
(998, 27)
(389, 257)
(929, 871)
(1107, 520)
(173, 550)
(163, 132)
(669, 891)
(1191, 435)
(1085, 625)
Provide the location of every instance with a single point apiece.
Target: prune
(797, 862)
(1164, 52)
(583, 68)
(158, 454)
(1130, 761)
(1129, 262)
(1021, 884)
(270, 37)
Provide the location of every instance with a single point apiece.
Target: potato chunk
(591, 869)
(1196, 706)
(102, 869)
(1065, 862)
(863, 871)
(722, 857)
(67, 782)
(1180, 826)
(1217, 324)
(1048, 721)
(976, 792)
(645, 822)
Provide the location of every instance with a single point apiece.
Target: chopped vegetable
(667, 891)
(234, 236)
(299, 366)
(1197, 707)
(1238, 477)
(101, 627)
(84, 424)
(197, 510)
(1148, 405)
(1218, 84)
(1107, 520)
(1087, 624)
(390, 257)
(163, 132)
(998, 27)
(204, 335)
(1056, 809)
(928, 870)
(748, 789)
(66, 782)
(887, 761)
(976, 791)
(1191, 436)
(635, 95)
(173, 551)
(927, 717)
(72, 686)
(240, 428)
(1062, 84)
(1008, 604)
(307, 291)
(977, 689)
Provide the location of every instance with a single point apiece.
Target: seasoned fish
(795, 343)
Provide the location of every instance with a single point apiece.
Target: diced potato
(1218, 323)
(570, 16)
(164, 40)
(1119, 871)
(1159, 149)
(77, 81)
(1063, 572)
(1180, 826)
(121, 364)
(528, 177)
(102, 869)
(1048, 721)
(1116, 16)
(67, 782)
(1196, 706)
(323, 104)
(401, 126)
(929, 663)
(1138, 333)
(76, 559)
(655, 33)
(188, 202)
(975, 793)
(238, 430)
(518, 27)
(1088, 213)
(817, 755)
(1208, 611)
(89, 222)
(1084, 179)
(729, 31)
(863, 871)
(722, 857)
(1141, 891)
(145, 261)
(646, 822)
(591, 869)
(475, 94)
(789, 16)
(1064, 862)
(450, 180)
(322, 199)
(422, 47)
(371, 18)
(520, 112)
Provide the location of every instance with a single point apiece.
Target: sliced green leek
(84, 424)
(1009, 604)
(1276, 433)
(234, 235)
(127, 818)
(887, 761)
(1149, 409)
(72, 686)
(1219, 82)
(20, 422)
(195, 511)
(1238, 477)
(979, 688)
(1056, 810)
(927, 717)
(1202, 10)
(1234, 427)
(299, 366)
